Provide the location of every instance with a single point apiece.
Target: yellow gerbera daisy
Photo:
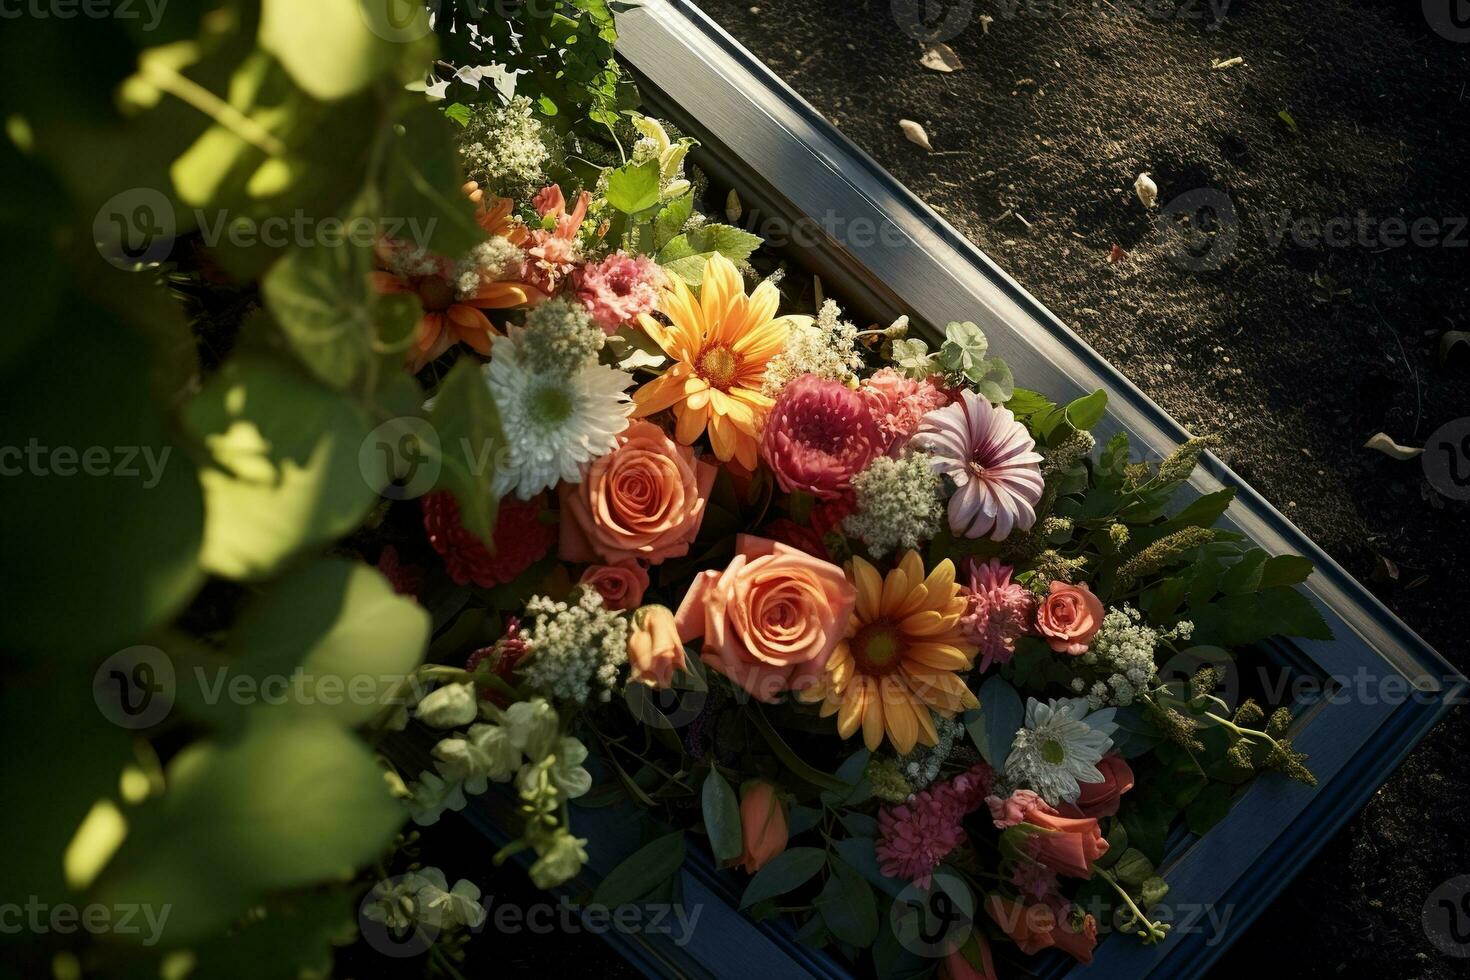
(720, 344)
(903, 648)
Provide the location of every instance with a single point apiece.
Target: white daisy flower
(553, 421)
(1059, 748)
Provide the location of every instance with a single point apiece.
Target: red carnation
(520, 537)
(819, 434)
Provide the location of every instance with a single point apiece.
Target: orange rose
(771, 618)
(1036, 927)
(644, 500)
(1069, 618)
(621, 585)
(763, 827)
(654, 648)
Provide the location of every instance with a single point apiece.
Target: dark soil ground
(1294, 349)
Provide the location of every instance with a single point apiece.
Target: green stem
(1152, 932)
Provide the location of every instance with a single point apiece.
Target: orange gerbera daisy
(903, 655)
(453, 294)
(721, 344)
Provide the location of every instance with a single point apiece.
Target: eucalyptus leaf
(644, 870)
(788, 870)
(848, 906)
(721, 816)
(994, 724)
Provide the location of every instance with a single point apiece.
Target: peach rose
(1066, 845)
(654, 648)
(1069, 618)
(621, 584)
(644, 500)
(771, 618)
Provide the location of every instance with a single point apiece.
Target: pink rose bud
(654, 648)
(762, 825)
(1069, 618)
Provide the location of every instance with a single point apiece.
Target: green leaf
(687, 255)
(328, 46)
(420, 193)
(103, 514)
(633, 188)
(284, 473)
(793, 762)
(671, 220)
(994, 724)
(1285, 570)
(847, 905)
(286, 806)
(337, 631)
(1147, 821)
(1245, 575)
(788, 870)
(721, 817)
(1152, 892)
(1204, 511)
(1025, 403)
(297, 932)
(1088, 411)
(1240, 620)
(646, 869)
(1208, 808)
(1133, 868)
(468, 427)
(1136, 734)
(458, 112)
(322, 299)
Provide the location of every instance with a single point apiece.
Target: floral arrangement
(867, 618)
(488, 452)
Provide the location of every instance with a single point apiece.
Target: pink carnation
(899, 404)
(914, 837)
(554, 254)
(999, 611)
(818, 436)
(619, 288)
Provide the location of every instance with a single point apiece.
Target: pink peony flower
(1000, 611)
(818, 436)
(992, 461)
(899, 404)
(618, 289)
(914, 837)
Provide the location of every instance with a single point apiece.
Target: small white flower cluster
(897, 504)
(560, 338)
(423, 897)
(827, 348)
(523, 742)
(921, 767)
(494, 260)
(574, 651)
(502, 149)
(1123, 650)
(413, 263)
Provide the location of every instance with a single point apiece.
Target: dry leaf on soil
(1383, 444)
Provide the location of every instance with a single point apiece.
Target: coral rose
(1066, 845)
(654, 648)
(621, 584)
(771, 618)
(1101, 799)
(1069, 618)
(820, 434)
(971, 961)
(644, 500)
(763, 827)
